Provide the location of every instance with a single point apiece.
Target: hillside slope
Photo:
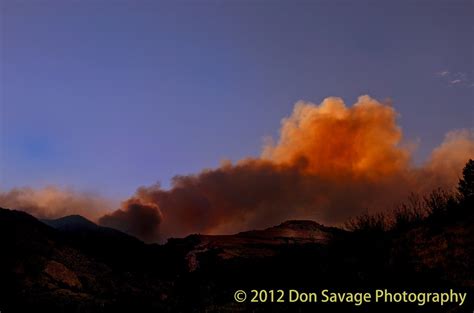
(80, 267)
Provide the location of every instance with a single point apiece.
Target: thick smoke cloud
(331, 162)
(333, 140)
(136, 217)
(443, 169)
(54, 202)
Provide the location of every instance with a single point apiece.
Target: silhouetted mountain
(109, 245)
(71, 222)
(79, 226)
(64, 271)
(78, 266)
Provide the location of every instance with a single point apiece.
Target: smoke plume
(330, 162)
(444, 167)
(333, 140)
(136, 217)
(54, 202)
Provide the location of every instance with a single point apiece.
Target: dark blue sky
(110, 95)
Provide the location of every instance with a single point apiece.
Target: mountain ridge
(55, 270)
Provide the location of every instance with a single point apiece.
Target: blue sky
(111, 95)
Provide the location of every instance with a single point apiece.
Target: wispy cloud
(451, 78)
(442, 73)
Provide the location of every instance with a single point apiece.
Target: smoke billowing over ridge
(331, 162)
(139, 218)
(53, 202)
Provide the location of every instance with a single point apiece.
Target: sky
(106, 96)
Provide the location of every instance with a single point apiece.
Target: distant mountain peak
(78, 225)
(75, 218)
(70, 222)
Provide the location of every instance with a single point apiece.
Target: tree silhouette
(466, 183)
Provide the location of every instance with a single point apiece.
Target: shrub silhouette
(408, 213)
(368, 223)
(436, 206)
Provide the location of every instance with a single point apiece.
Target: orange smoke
(443, 168)
(54, 202)
(331, 162)
(333, 140)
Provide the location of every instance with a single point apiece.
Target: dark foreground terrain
(73, 265)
